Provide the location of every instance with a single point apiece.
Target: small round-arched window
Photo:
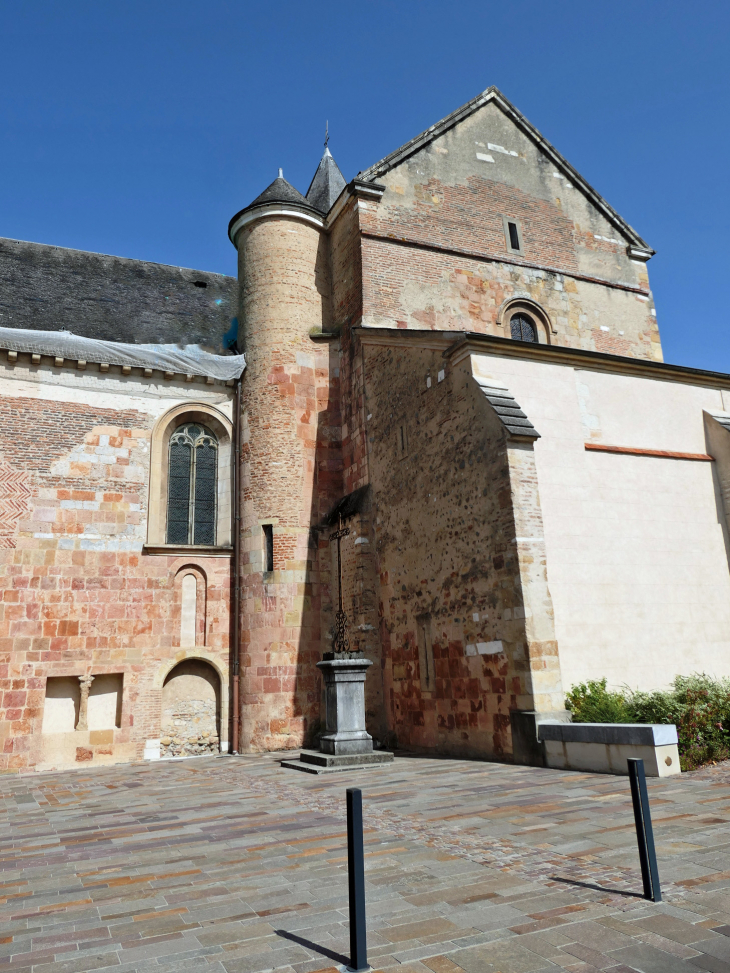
(192, 485)
(523, 328)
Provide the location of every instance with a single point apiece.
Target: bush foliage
(698, 705)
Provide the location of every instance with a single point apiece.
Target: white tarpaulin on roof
(181, 359)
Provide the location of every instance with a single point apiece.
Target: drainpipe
(236, 640)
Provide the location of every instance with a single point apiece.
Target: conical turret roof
(327, 184)
(280, 191)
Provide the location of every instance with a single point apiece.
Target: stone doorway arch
(191, 710)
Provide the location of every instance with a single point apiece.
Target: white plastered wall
(636, 559)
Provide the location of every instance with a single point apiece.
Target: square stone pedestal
(346, 744)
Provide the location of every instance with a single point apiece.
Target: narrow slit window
(192, 486)
(513, 235)
(425, 654)
(268, 547)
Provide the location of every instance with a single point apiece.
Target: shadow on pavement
(597, 888)
(338, 957)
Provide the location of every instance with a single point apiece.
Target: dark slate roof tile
(48, 288)
(508, 410)
(327, 184)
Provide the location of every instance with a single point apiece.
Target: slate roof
(493, 94)
(94, 295)
(508, 411)
(327, 184)
(280, 191)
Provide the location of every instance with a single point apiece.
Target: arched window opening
(192, 486)
(523, 328)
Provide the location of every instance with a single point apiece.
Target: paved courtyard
(224, 865)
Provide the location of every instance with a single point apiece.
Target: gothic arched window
(192, 485)
(523, 328)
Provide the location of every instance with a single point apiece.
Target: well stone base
(314, 762)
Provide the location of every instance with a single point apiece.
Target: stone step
(314, 762)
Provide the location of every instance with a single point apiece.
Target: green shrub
(698, 705)
(591, 702)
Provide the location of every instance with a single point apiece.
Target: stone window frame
(530, 309)
(506, 220)
(165, 426)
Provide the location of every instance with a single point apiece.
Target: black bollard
(644, 831)
(356, 880)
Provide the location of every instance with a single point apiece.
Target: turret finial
(281, 173)
(326, 133)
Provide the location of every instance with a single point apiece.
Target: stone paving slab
(233, 864)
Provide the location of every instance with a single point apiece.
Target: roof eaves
(273, 206)
(640, 246)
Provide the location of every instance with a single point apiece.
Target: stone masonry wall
(444, 526)
(77, 593)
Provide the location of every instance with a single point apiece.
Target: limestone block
(604, 748)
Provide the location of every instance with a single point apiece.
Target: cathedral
(429, 422)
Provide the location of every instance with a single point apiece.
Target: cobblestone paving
(224, 865)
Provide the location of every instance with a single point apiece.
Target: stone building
(456, 356)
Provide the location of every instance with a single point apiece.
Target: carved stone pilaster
(83, 723)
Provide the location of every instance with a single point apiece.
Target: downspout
(236, 633)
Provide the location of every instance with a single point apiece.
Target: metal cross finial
(326, 133)
(341, 642)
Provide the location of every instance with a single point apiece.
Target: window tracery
(192, 485)
(522, 328)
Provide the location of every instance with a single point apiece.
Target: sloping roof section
(95, 295)
(280, 191)
(508, 411)
(493, 94)
(722, 418)
(327, 184)
(180, 360)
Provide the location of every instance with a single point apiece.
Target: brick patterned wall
(410, 288)
(77, 593)
(468, 216)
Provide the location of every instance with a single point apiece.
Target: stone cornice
(504, 259)
(458, 345)
(268, 210)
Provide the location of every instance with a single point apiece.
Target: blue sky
(139, 128)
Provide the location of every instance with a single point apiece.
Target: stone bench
(603, 748)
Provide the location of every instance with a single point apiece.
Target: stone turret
(284, 291)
